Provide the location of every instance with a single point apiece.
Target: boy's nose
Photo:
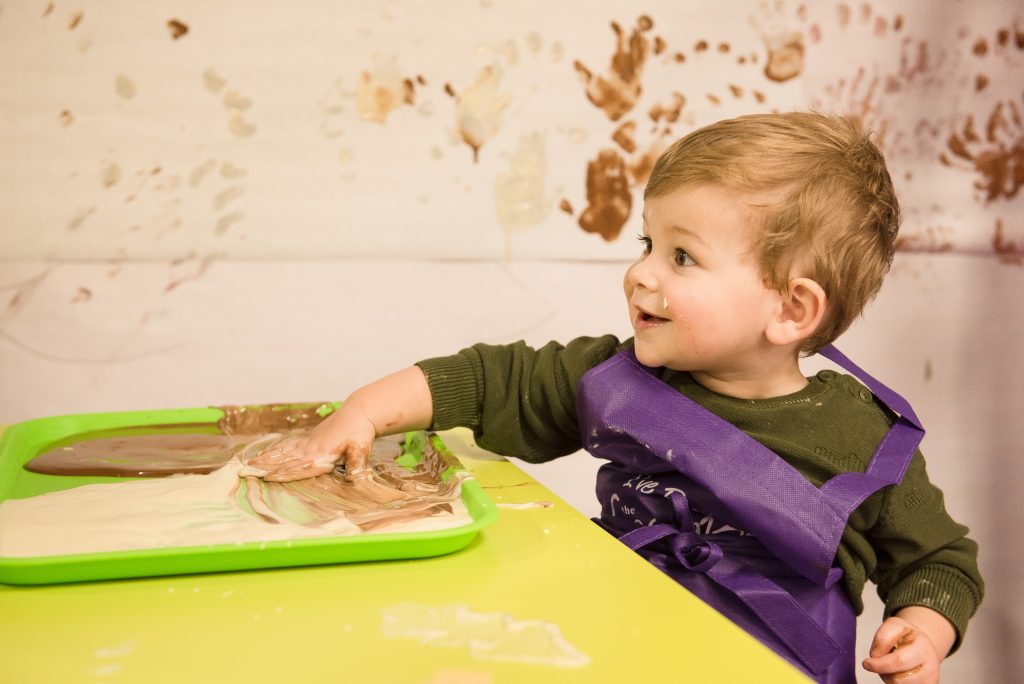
(642, 275)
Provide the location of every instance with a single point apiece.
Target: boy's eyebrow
(679, 229)
(690, 233)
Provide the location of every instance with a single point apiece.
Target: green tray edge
(33, 435)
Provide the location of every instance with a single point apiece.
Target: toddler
(772, 496)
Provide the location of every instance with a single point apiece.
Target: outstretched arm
(910, 645)
(396, 403)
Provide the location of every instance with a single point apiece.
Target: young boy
(764, 237)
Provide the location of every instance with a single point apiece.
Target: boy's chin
(648, 358)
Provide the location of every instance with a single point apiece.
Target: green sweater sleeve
(924, 557)
(517, 400)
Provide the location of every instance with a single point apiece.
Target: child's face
(697, 300)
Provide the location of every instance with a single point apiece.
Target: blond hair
(836, 215)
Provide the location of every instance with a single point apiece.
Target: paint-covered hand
(909, 652)
(344, 436)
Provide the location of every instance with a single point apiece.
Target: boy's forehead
(685, 206)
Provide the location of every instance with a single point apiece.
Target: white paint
(487, 636)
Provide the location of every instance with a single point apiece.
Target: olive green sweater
(521, 402)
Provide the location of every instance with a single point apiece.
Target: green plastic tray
(23, 441)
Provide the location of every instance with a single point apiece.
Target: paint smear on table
(487, 636)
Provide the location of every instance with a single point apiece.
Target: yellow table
(542, 595)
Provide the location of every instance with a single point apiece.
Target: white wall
(236, 215)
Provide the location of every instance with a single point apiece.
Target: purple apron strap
(779, 610)
(894, 452)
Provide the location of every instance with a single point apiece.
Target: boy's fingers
(355, 457)
(888, 637)
(894, 663)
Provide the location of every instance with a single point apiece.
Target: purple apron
(762, 551)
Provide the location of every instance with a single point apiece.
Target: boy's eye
(646, 242)
(683, 258)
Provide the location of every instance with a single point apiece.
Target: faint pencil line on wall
(83, 361)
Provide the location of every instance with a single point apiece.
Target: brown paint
(384, 494)
(618, 91)
(897, 23)
(200, 270)
(736, 91)
(980, 47)
(679, 57)
(641, 167)
(911, 66)
(264, 418)
(449, 91)
(785, 56)
(66, 118)
(419, 79)
(1003, 37)
(659, 45)
(624, 136)
(700, 46)
(668, 111)
(843, 14)
(934, 240)
(713, 99)
(999, 158)
(609, 198)
(76, 19)
(759, 96)
(724, 48)
(49, 10)
(566, 206)
(158, 452)
(927, 370)
(83, 294)
(980, 82)
(177, 28)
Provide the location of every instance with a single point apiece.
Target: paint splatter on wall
(525, 137)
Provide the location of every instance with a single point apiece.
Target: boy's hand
(344, 436)
(397, 403)
(909, 646)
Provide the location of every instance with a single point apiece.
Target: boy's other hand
(344, 436)
(904, 653)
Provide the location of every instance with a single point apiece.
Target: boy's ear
(801, 309)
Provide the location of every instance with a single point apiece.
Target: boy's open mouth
(648, 319)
